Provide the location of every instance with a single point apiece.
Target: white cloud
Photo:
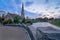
(45, 9)
(40, 7)
(13, 4)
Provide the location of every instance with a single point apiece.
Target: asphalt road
(13, 33)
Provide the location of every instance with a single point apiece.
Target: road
(13, 33)
(34, 26)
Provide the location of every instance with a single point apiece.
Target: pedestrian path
(13, 33)
(34, 27)
(44, 24)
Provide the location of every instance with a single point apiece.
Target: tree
(45, 19)
(17, 19)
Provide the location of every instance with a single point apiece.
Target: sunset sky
(33, 8)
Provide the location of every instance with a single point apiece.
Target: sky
(33, 8)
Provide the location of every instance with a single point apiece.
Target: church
(22, 12)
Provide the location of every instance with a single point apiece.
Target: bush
(7, 21)
(17, 19)
(4, 22)
(1, 19)
(10, 21)
(56, 22)
(25, 21)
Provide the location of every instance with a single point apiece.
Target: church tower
(22, 12)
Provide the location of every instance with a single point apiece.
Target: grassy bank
(56, 22)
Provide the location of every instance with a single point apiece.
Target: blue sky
(33, 8)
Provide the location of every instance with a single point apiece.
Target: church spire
(22, 12)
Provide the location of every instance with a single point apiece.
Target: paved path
(41, 24)
(13, 33)
(44, 24)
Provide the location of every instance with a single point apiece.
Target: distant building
(22, 12)
(10, 16)
(2, 13)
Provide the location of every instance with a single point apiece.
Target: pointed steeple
(22, 12)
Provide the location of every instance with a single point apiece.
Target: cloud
(9, 6)
(17, 2)
(43, 7)
(28, 3)
(46, 7)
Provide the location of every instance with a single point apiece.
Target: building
(22, 12)
(10, 16)
(2, 13)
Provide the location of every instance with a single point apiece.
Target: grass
(56, 22)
